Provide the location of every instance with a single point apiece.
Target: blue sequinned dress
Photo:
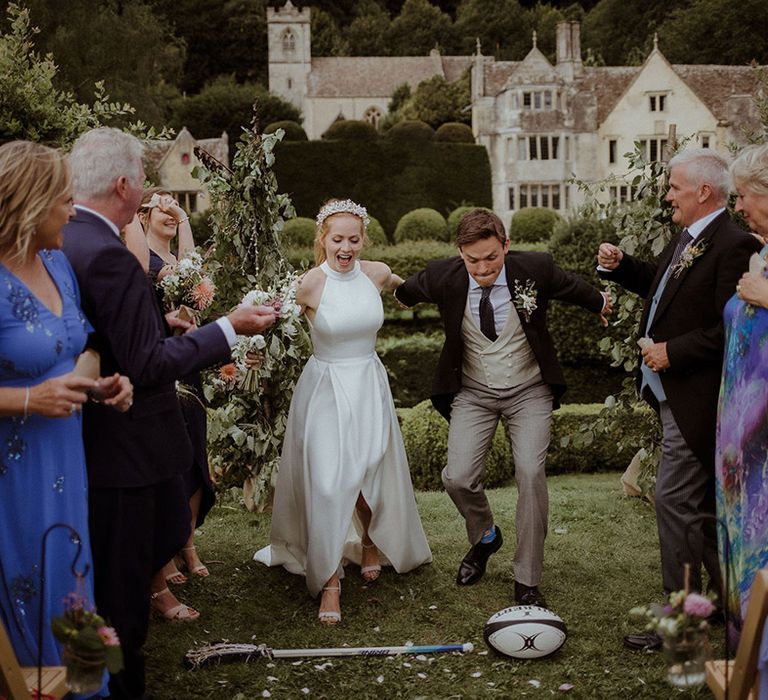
(42, 463)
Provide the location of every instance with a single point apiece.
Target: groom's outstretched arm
(415, 289)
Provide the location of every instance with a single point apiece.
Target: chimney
(568, 51)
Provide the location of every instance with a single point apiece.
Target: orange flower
(202, 293)
(228, 373)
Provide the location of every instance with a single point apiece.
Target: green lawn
(601, 560)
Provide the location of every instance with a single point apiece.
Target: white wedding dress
(343, 439)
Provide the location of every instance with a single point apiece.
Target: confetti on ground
(566, 687)
(482, 653)
(476, 674)
(305, 691)
(535, 683)
(421, 675)
(272, 679)
(266, 694)
(322, 667)
(433, 607)
(377, 629)
(406, 664)
(490, 684)
(380, 679)
(561, 530)
(421, 657)
(297, 663)
(270, 665)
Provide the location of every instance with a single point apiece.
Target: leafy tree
(366, 34)
(226, 105)
(716, 31)
(436, 101)
(418, 29)
(543, 18)
(327, 40)
(126, 46)
(31, 106)
(502, 28)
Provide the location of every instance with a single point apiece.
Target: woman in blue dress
(42, 463)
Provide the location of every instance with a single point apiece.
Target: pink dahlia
(228, 373)
(698, 606)
(108, 636)
(202, 293)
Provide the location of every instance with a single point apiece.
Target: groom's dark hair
(478, 224)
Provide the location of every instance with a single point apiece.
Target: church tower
(290, 53)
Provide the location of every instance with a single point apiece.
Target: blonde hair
(750, 169)
(32, 178)
(322, 231)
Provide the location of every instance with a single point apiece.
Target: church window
(185, 158)
(290, 83)
(372, 116)
(289, 41)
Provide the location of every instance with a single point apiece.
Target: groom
(498, 361)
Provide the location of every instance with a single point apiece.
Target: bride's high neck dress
(343, 439)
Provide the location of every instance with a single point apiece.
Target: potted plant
(682, 625)
(90, 645)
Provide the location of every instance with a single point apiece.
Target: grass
(601, 559)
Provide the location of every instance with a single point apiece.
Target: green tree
(31, 106)
(502, 28)
(436, 101)
(327, 40)
(418, 29)
(226, 105)
(126, 46)
(716, 31)
(366, 34)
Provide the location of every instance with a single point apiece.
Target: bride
(344, 490)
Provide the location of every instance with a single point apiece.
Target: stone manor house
(542, 124)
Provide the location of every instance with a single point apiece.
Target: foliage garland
(245, 429)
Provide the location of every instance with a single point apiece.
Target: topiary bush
(411, 130)
(410, 362)
(532, 224)
(425, 434)
(351, 130)
(423, 224)
(299, 232)
(375, 232)
(293, 130)
(455, 132)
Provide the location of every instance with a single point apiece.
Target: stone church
(542, 124)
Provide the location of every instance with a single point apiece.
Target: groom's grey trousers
(475, 413)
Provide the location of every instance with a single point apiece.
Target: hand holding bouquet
(188, 285)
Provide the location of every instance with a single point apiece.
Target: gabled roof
(379, 76)
(156, 151)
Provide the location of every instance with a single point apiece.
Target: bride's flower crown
(342, 206)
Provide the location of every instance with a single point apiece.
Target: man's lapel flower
(524, 298)
(688, 257)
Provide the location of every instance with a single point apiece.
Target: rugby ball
(525, 632)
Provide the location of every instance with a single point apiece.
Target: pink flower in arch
(203, 293)
(698, 606)
(108, 636)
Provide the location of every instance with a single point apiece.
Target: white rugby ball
(525, 632)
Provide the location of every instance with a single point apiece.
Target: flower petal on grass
(380, 679)
(535, 683)
(566, 688)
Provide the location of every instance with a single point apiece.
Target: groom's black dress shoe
(529, 595)
(473, 565)
(643, 640)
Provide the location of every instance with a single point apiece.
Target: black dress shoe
(529, 595)
(473, 565)
(643, 640)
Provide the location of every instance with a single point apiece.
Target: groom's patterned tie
(685, 239)
(487, 322)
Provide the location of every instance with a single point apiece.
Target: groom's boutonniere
(524, 298)
(693, 251)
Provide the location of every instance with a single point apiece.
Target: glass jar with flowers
(90, 645)
(684, 630)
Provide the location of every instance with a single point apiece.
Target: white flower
(524, 298)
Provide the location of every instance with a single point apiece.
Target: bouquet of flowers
(90, 645)
(188, 285)
(685, 612)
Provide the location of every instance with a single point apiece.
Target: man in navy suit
(133, 458)
(681, 329)
(498, 361)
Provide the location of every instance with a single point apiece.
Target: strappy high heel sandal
(178, 613)
(330, 617)
(200, 570)
(371, 572)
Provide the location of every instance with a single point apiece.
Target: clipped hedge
(410, 362)
(425, 434)
(455, 132)
(375, 232)
(423, 224)
(351, 130)
(388, 177)
(532, 224)
(411, 130)
(293, 130)
(299, 232)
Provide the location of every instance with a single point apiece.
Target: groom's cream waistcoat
(500, 364)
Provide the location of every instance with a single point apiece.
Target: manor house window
(540, 194)
(658, 102)
(654, 149)
(622, 193)
(538, 100)
(538, 147)
(612, 151)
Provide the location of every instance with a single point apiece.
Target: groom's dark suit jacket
(446, 283)
(149, 443)
(689, 319)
